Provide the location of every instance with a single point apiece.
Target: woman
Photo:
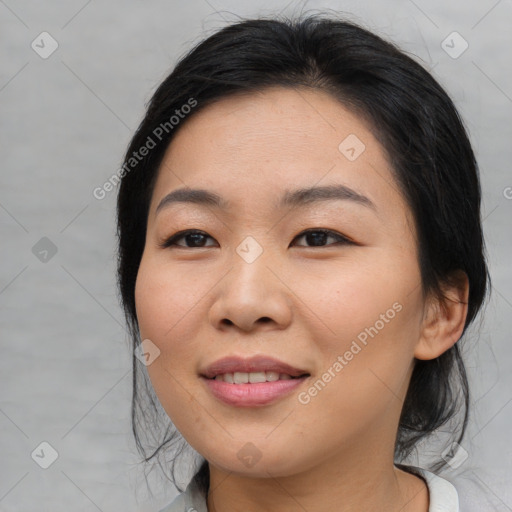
(300, 251)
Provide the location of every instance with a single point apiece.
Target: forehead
(252, 148)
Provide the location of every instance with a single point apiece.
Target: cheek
(166, 301)
(356, 296)
(363, 376)
(368, 324)
(165, 314)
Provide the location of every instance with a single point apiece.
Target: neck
(366, 483)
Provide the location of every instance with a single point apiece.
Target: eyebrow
(291, 198)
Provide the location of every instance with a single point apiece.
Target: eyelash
(171, 241)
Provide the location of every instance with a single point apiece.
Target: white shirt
(442, 494)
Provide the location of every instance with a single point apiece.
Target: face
(324, 282)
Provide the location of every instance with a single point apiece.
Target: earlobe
(444, 318)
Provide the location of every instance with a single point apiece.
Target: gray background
(66, 121)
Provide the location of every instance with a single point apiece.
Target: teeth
(241, 378)
(253, 377)
(257, 377)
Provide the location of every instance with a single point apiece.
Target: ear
(443, 320)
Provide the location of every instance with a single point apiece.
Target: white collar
(442, 494)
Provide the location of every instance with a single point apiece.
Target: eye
(318, 237)
(197, 239)
(193, 236)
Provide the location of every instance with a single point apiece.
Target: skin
(301, 303)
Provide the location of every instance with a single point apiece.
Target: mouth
(251, 382)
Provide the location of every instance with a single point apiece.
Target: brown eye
(319, 237)
(195, 238)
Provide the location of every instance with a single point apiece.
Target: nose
(252, 296)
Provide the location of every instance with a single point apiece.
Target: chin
(253, 463)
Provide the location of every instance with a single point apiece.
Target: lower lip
(252, 395)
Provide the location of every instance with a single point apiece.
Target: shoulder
(443, 496)
(191, 500)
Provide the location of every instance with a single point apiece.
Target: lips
(252, 382)
(233, 364)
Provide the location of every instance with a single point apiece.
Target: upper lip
(260, 363)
